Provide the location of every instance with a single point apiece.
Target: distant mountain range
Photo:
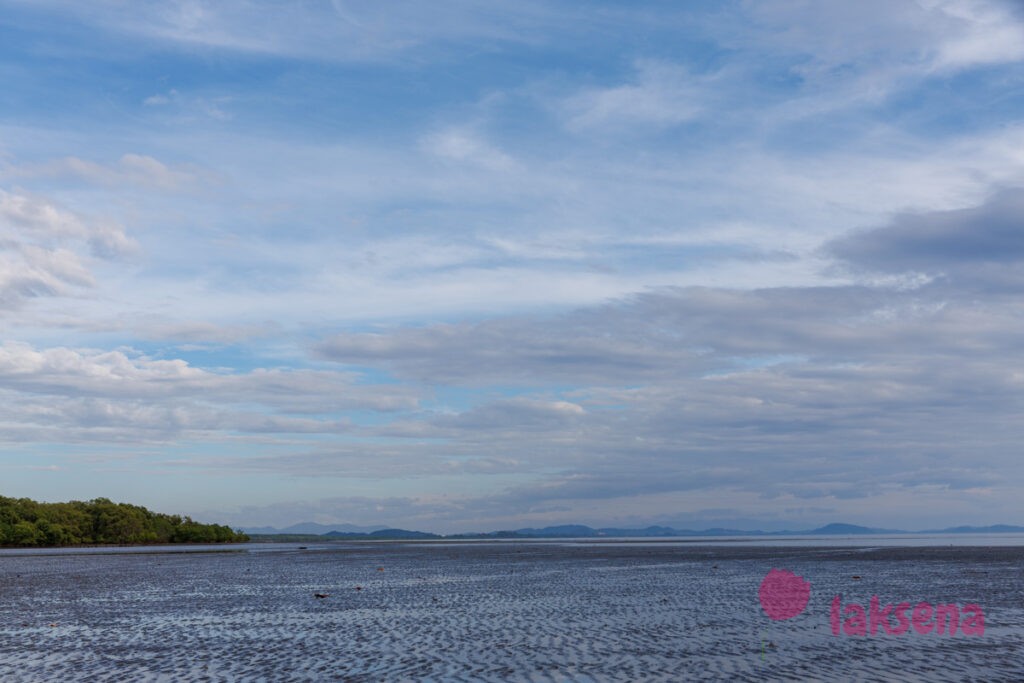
(353, 532)
(312, 528)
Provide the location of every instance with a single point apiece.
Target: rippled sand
(494, 611)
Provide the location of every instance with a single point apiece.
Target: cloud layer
(515, 263)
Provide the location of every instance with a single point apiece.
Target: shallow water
(495, 611)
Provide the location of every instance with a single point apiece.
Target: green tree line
(26, 523)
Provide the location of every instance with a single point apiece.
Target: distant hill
(352, 532)
(851, 530)
(581, 531)
(312, 528)
(565, 530)
(994, 529)
(395, 534)
(645, 532)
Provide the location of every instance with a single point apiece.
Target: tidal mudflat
(496, 611)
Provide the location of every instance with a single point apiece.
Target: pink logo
(925, 618)
(784, 594)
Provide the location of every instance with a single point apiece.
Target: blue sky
(464, 266)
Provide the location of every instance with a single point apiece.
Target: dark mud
(495, 611)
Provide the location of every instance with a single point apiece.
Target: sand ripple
(516, 612)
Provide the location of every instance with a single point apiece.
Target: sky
(463, 266)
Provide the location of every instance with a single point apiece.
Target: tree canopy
(27, 523)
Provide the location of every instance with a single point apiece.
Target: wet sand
(495, 611)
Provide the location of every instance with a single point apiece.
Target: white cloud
(465, 145)
(866, 51)
(74, 372)
(982, 32)
(130, 169)
(44, 249)
(188, 107)
(335, 31)
(662, 95)
(160, 99)
(80, 395)
(37, 216)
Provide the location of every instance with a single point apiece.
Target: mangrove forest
(26, 523)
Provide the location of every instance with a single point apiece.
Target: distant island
(25, 523)
(313, 531)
